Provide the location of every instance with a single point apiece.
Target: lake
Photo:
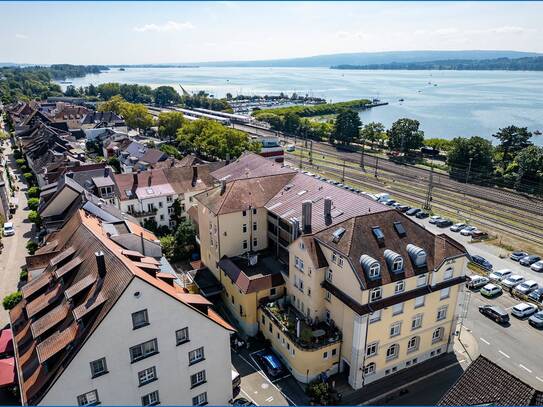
(447, 103)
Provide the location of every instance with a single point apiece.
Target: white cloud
(166, 27)
(21, 36)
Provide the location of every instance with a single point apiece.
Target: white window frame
(395, 329)
(89, 398)
(397, 309)
(147, 375)
(397, 264)
(375, 316)
(147, 348)
(375, 270)
(136, 324)
(196, 355)
(150, 399)
(448, 274)
(327, 296)
(421, 280)
(438, 334)
(442, 313)
(416, 322)
(420, 302)
(182, 336)
(98, 372)
(198, 378)
(370, 369)
(413, 344)
(340, 261)
(376, 294)
(399, 287)
(445, 293)
(329, 275)
(396, 351)
(200, 399)
(372, 349)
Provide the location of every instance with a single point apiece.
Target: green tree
(34, 217)
(11, 300)
(114, 104)
(476, 149)
(71, 91)
(404, 135)
(29, 177)
(166, 96)
(31, 247)
(185, 238)
(91, 90)
(438, 143)
(291, 122)
(346, 127)
(168, 247)
(137, 116)
(275, 121)
(530, 170)
(33, 203)
(171, 151)
(372, 132)
(115, 164)
(513, 139)
(33, 192)
(169, 123)
(136, 93)
(107, 90)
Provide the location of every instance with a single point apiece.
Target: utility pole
(469, 169)
(428, 201)
(301, 157)
(376, 165)
(362, 156)
(343, 172)
(310, 152)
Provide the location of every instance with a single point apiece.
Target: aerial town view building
(343, 207)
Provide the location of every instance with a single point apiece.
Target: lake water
(464, 103)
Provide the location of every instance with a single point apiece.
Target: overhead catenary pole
(376, 165)
(310, 152)
(469, 169)
(428, 201)
(343, 172)
(362, 155)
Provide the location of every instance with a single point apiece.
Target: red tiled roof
(64, 254)
(43, 301)
(88, 305)
(36, 284)
(6, 341)
(7, 372)
(56, 342)
(76, 288)
(49, 320)
(72, 264)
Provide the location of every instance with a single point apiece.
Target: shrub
(20, 162)
(23, 276)
(319, 392)
(17, 154)
(33, 203)
(28, 176)
(31, 246)
(24, 168)
(11, 300)
(34, 217)
(33, 192)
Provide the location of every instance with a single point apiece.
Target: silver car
(468, 230)
(537, 266)
(512, 281)
(526, 287)
(500, 275)
(457, 227)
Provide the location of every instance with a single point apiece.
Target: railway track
(444, 207)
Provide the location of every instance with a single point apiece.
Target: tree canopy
(169, 123)
(512, 139)
(136, 115)
(166, 96)
(404, 135)
(374, 132)
(346, 127)
(479, 151)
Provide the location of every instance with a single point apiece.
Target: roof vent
(307, 209)
(338, 234)
(394, 261)
(371, 267)
(101, 264)
(417, 255)
(379, 235)
(400, 229)
(328, 210)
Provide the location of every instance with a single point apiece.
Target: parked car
(422, 215)
(500, 275)
(413, 211)
(491, 290)
(537, 266)
(526, 287)
(537, 295)
(8, 229)
(481, 261)
(529, 260)
(291, 148)
(494, 312)
(444, 223)
(271, 364)
(467, 230)
(523, 310)
(457, 227)
(476, 281)
(403, 208)
(512, 281)
(433, 219)
(536, 320)
(479, 234)
(517, 255)
(390, 202)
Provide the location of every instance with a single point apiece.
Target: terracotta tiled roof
(62, 256)
(56, 342)
(250, 165)
(49, 320)
(36, 284)
(66, 268)
(89, 304)
(250, 279)
(43, 301)
(485, 383)
(76, 288)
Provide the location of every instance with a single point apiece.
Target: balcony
(143, 214)
(313, 334)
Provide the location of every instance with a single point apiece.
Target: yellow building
(337, 282)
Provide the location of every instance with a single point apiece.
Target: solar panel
(379, 235)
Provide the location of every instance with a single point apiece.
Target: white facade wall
(115, 335)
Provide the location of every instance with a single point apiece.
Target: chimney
(135, 176)
(142, 244)
(327, 208)
(307, 207)
(101, 263)
(223, 187)
(150, 180)
(106, 172)
(194, 175)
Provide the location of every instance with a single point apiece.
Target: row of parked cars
(528, 260)
(493, 286)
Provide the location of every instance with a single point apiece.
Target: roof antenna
(142, 244)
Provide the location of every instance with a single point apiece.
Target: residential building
(138, 157)
(365, 290)
(100, 324)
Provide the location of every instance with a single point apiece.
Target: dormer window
(371, 267)
(397, 266)
(375, 270)
(394, 261)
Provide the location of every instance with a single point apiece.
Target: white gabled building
(102, 324)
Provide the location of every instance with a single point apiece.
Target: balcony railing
(312, 336)
(143, 214)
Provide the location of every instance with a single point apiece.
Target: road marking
(539, 378)
(525, 368)
(259, 371)
(504, 354)
(249, 397)
(269, 399)
(485, 341)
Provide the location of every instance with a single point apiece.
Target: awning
(7, 372)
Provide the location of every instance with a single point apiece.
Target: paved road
(14, 251)
(516, 348)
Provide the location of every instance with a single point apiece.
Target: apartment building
(367, 291)
(102, 324)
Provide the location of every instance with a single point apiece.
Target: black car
(422, 215)
(412, 211)
(390, 202)
(495, 313)
(242, 402)
(481, 261)
(403, 208)
(444, 223)
(537, 295)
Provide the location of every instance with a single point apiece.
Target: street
(14, 251)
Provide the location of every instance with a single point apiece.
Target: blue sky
(145, 32)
